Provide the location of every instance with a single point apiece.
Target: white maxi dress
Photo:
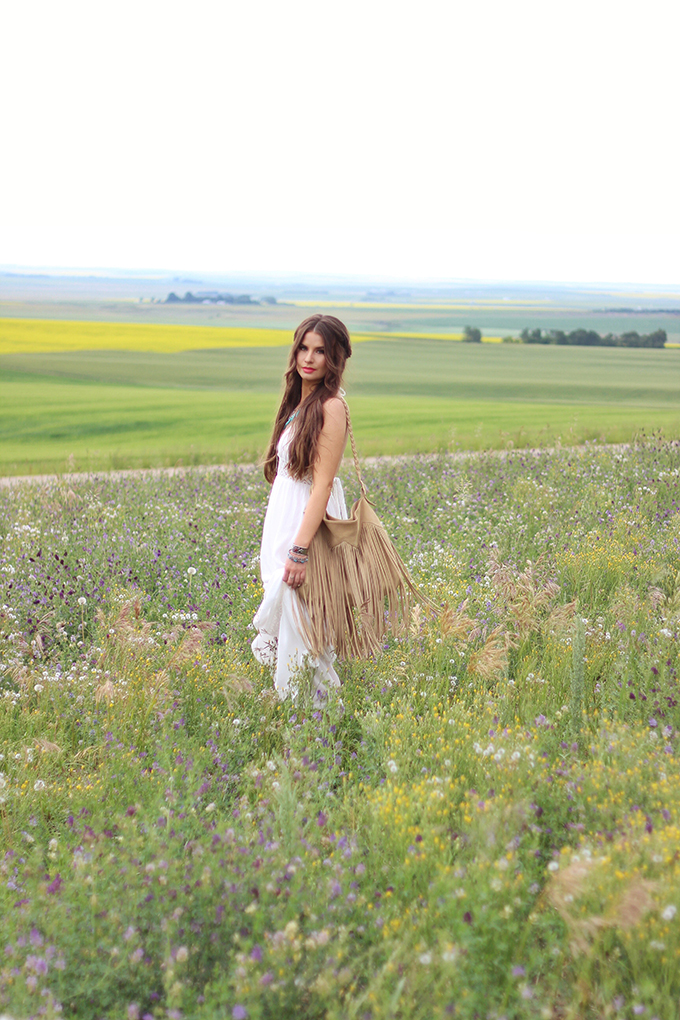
(279, 643)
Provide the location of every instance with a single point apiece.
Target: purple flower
(653, 723)
(239, 1013)
(518, 971)
(639, 1009)
(256, 954)
(55, 885)
(321, 820)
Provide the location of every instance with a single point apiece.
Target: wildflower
(38, 785)
(191, 571)
(425, 959)
(82, 601)
(669, 912)
(518, 971)
(55, 885)
(239, 1012)
(38, 688)
(182, 954)
(553, 866)
(657, 945)
(392, 765)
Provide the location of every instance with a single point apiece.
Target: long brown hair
(303, 448)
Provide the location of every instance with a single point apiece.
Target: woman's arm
(331, 446)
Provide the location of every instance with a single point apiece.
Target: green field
(483, 823)
(494, 318)
(98, 409)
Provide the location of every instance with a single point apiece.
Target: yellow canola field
(44, 336)
(33, 336)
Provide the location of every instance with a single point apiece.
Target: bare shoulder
(334, 414)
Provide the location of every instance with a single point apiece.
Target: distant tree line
(589, 338)
(212, 297)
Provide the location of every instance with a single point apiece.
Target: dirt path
(77, 478)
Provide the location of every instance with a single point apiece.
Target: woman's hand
(294, 573)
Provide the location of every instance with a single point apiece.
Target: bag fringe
(357, 588)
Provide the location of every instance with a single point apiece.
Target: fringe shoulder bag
(357, 589)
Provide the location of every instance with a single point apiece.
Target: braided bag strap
(355, 455)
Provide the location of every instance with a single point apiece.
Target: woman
(303, 456)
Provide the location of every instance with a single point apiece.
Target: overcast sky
(533, 139)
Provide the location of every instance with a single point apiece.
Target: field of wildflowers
(484, 824)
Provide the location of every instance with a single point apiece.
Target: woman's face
(311, 359)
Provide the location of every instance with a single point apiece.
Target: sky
(532, 140)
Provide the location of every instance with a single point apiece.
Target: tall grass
(484, 823)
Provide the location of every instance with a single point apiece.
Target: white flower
(553, 866)
(656, 944)
(3, 782)
(38, 785)
(426, 959)
(392, 765)
(669, 912)
(38, 688)
(82, 601)
(182, 954)
(191, 571)
(515, 756)
(209, 808)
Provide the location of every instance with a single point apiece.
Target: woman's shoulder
(335, 412)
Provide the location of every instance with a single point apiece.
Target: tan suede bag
(357, 589)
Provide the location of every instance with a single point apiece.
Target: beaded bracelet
(301, 549)
(296, 559)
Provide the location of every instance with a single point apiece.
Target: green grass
(484, 824)
(103, 409)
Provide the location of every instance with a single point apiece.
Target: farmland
(92, 396)
(485, 823)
